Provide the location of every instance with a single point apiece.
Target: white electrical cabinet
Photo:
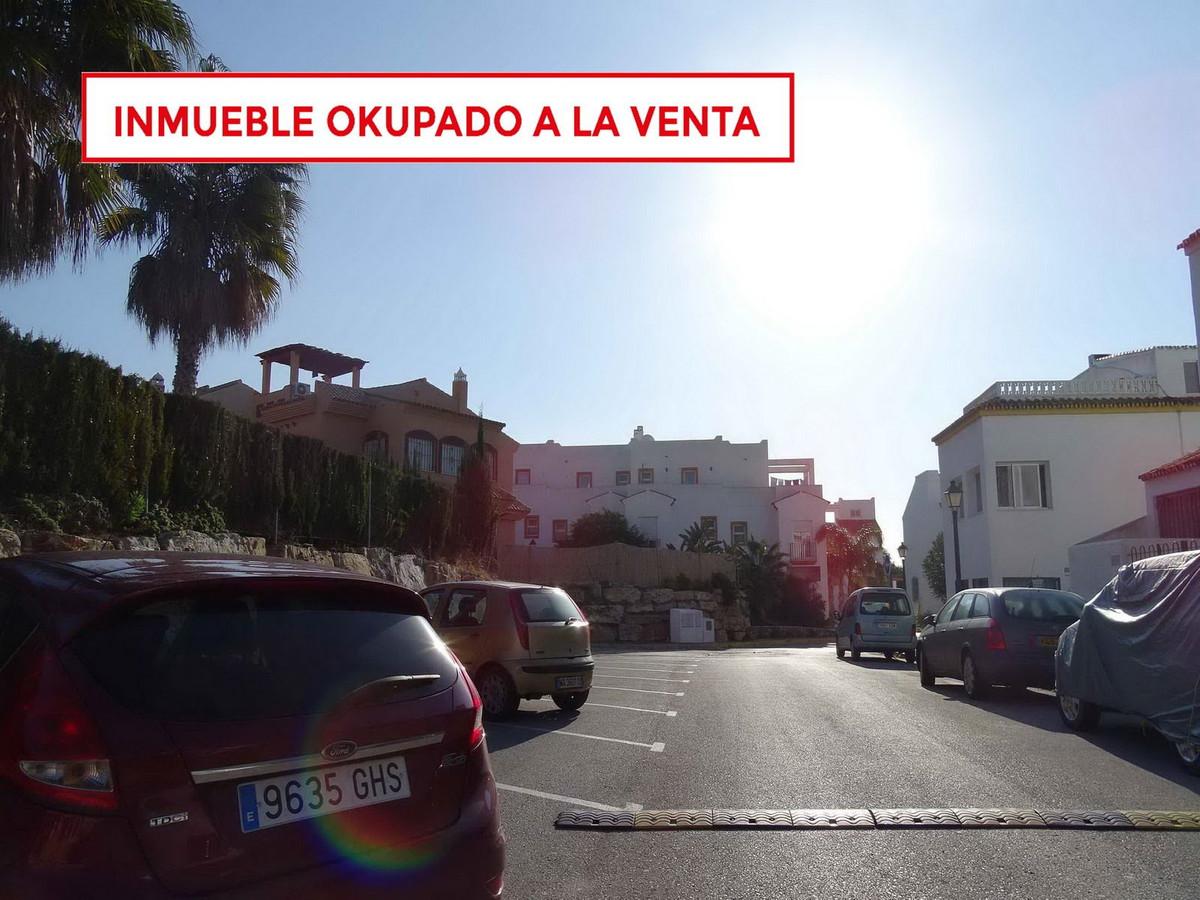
(688, 626)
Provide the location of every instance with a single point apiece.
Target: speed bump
(1084, 818)
(1163, 820)
(673, 819)
(752, 818)
(1000, 818)
(916, 818)
(832, 818)
(913, 818)
(581, 818)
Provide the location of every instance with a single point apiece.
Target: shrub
(724, 584)
(31, 514)
(72, 424)
(605, 527)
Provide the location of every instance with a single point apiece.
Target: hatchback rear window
(258, 655)
(884, 605)
(1044, 605)
(548, 605)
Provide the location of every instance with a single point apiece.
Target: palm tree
(851, 554)
(221, 235)
(698, 539)
(48, 200)
(761, 571)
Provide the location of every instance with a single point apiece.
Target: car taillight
(476, 702)
(995, 636)
(857, 628)
(518, 611)
(913, 632)
(49, 746)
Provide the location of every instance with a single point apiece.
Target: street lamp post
(903, 551)
(954, 497)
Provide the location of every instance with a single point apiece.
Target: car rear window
(260, 654)
(548, 605)
(1044, 605)
(884, 605)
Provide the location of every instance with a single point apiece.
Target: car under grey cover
(1136, 648)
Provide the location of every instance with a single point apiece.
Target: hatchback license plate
(1048, 640)
(887, 626)
(568, 681)
(318, 792)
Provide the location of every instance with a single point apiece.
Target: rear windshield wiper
(381, 690)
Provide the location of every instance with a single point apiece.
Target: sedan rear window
(1044, 605)
(257, 655)
(884, 605)
(548, 605)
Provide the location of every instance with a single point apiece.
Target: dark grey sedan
(988, 636)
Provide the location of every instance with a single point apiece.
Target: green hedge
(72, 424)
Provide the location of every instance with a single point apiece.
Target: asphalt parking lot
(797, 728)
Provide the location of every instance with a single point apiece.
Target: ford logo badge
(340, 750)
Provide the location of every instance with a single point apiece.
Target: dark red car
(177, 724)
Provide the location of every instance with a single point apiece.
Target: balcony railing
(1106, 388)
(1144, 549)
(803, 552)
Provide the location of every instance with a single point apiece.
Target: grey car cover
(1136, 648)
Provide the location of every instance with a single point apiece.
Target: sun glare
(826, 239)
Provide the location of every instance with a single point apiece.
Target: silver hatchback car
(877, 620)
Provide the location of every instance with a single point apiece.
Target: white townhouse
(735, 491)
(1046, 464)
(922, 523)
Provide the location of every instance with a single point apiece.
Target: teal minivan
(877, 620)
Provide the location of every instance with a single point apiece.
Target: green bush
(70, 424)
(724, 585)
(605, 527)
(31, 513)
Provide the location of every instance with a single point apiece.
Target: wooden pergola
(323, 363)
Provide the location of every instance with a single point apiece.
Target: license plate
(568, 681)
(1048, 641)
(887, 626)
(304, 795)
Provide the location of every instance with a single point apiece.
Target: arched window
(493, 461)
(418, 451)
(375, 447)
(453, 452)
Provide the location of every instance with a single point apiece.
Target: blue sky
(981, 192)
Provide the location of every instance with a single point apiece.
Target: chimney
(638, 432)
(460, 390)
(1190, 245)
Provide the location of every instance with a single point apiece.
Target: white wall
(922, 523)
(1094, 462)
(1163, 363)
(733, 484)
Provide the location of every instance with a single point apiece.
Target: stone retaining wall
(626, 613)
(405, 570)
(788, 632)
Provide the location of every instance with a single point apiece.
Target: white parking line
(640, 678)
(641, 669)
(603, 687)
(656, 747)
(670, 713)
(574, 801)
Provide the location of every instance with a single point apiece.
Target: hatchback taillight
(520, 618)
(857, 628)
(49, 746)
(476, 704)
(995, 636)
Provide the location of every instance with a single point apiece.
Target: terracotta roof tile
(1188, 461)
